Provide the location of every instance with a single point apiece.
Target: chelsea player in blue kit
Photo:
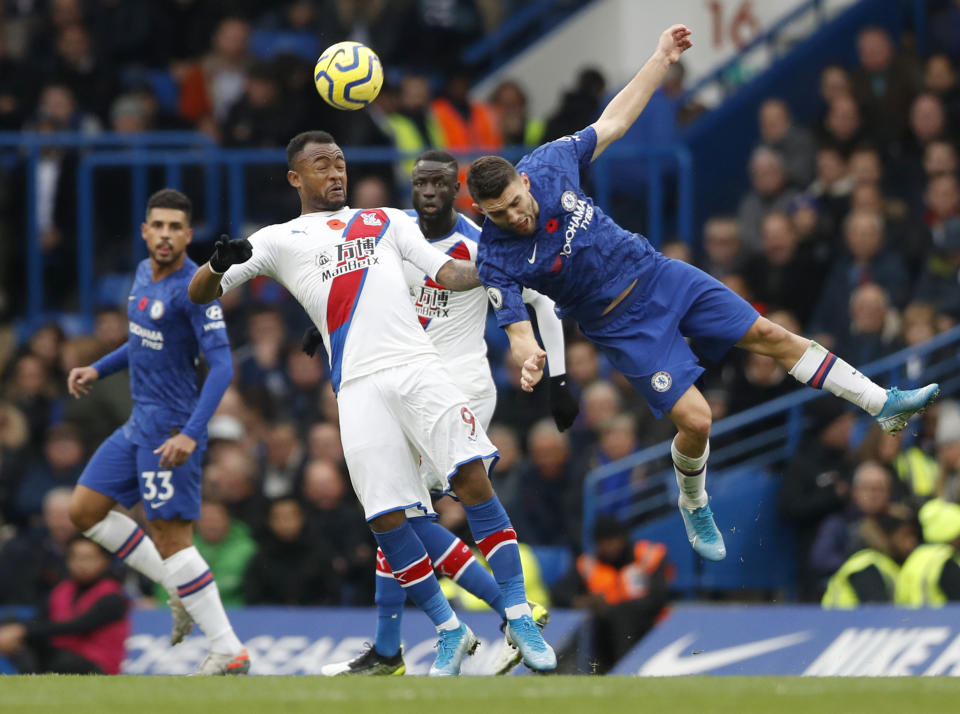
(155, 457)
(542, 231)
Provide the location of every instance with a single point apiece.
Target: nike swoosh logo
(668, 662)
(534, 256)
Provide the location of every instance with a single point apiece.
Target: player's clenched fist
(228, 252)
(80, 380)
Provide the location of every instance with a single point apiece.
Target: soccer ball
(348, 75)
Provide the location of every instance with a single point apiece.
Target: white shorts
(389, 418)
(482, 399)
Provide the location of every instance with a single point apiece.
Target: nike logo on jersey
(533, 257)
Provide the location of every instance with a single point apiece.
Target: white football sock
(189, 574)
(122, 536)
(691, 475)
(452, 624)
(515, 611)
(821, 369)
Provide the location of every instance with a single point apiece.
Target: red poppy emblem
(336, 224)
(552, 225)
(143, 303)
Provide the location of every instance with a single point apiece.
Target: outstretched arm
(623, 110)
(527, 352)
(205, 284)
(458, 275)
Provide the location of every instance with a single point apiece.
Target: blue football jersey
(578, 256)
(167, 334)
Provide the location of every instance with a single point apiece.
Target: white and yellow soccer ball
(348, 75)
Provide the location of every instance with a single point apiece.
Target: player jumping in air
(345, 268)
(542, 231)
(455, 323)
(156, 456)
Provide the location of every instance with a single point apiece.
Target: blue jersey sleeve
(566, 156)
(210, 330)
(504, 293)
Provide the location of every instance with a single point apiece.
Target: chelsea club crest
(568, 201)
(661, 381)
(156, 310)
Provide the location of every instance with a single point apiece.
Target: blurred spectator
(412, 124)
(677, 250)
(517, 408)
(16, 85)
(209, 88)
(928, 122)
(783, 275)
(598, 402)
(306, 376)
(13, 440)
(794, 144)
(260, 362)
(868, 262)
(674, 89)
(282, 462)
(370, 192)
(873, 329)
(548, 491)
(31, 390)
(938, 284)
(870, 575)
(839, 535)
(107, 406)
(323, 442)
(504, 476)
(816, 484)
(947, 443)
(516, 127)
(38, 555)
(940, 78)
(227, 547)
(885, 82)
(579, 107)
(832, 186)
(930, 577)
(625, 586)
(834, 82)
(290, 568)
(230, 480)
(260, 117)
(917, 473)
(464, 124)
(722, 249)
(842, 126)
(93, 82)
(944, 27)
(583, 364)
(59, 467)
(770, 193)
(84, 625)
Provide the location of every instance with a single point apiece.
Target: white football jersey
(455, 321)
(346, 269)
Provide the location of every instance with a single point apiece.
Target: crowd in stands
(850, 233)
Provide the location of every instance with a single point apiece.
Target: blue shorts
(127, 473)
(643, 336)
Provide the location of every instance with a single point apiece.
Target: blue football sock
(390, 598)
(497, 541)
(413, 570)
(452, 557)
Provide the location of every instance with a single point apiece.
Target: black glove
(228, 252)
(311, 341)
(563, 405)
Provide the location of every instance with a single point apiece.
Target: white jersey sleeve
(551, 330)
(262, 262)
(413, 248)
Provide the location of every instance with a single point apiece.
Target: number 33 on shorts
(157, 488)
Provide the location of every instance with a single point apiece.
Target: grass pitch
(477, 695)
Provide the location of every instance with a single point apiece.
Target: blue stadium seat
(266, 44)
(555, 562)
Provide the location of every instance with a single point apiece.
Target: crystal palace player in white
(455, 323)
(344, 266)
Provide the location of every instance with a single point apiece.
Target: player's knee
(696, 423)
(82, 516)
(471, 483)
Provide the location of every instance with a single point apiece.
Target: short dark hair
(302, 139)
(171, 198)
(441, 157)
(489, 176)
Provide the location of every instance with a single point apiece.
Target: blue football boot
(901, 405)
(452, 647)
(524, 634)
(703, 534)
